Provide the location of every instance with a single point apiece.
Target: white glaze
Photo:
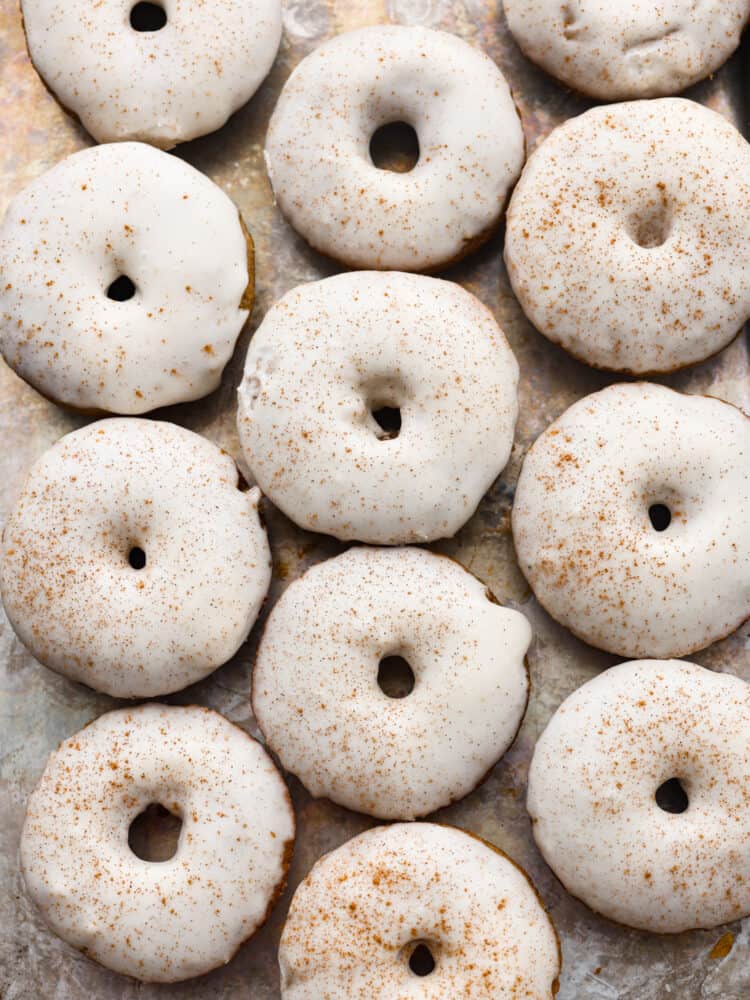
(599, 187)
(617, 49)
(169, 920)
(315, 684)
(161, 87)
(330, 352)
(122, 209)
(70, 591)
(353, 922)
(583, 534)
(592, 787)
(470, 138)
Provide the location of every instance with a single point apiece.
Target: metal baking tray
(602, 961)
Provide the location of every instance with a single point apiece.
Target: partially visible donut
(170, 920)
(378, 407)
(125, 279)
(318, 149)
(131, 561)
(320, 691)
(631, 520)
(627, 235)
(639, 795)
(618, 49)
(421, 911)
(160, 72)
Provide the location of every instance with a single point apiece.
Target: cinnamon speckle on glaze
(120, 212)
(328, 356)
(355, 920)
(470, 139)
(128, 625)
(583, 529)
(315, 683)
(169, 920)
(592, 795)
(627, 235)
(618, 49)
(164, 86)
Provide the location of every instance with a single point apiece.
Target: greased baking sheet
(602, 961)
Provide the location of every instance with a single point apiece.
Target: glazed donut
(161, 72)
(316, 693)
(627, 233)
(131, 561)
(638, 794)
(378, 407)
(631, 520)
(471, 148)
(416, 899)
(170, 920)
(616, 49)
(125, 279)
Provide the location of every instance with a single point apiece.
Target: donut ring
(598, 775)
(167, 921)
(627, 232)
(131, 561)
(618, 49)
(469, 133)
(631, 520)
(110, 300)
(397, 895)
(315, 683)
(330, 358)
(157, 72)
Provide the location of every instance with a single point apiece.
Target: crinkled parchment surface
(601, 961)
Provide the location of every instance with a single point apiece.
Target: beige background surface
(38, 708)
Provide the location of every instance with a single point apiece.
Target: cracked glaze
(616, 49)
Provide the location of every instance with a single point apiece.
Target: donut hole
(147, 17)
(395, 677)
(395, 147)
(421, 960)
(121, 289)
(388, 419)
(650, 228)
(660, 516)
(137, 557)
(154, 834)
(671, 796)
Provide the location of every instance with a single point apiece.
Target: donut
(631, 517)
(170, 920)
(421, 911)
(469, 137)
(161, 72)
(340, 654)
(618, 49)
(378, 407)
(132, 562)
(627, 233)
(126, 277)
(638, 794)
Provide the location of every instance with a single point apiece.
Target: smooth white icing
(123, 209)
(615, 49)
(592, 786)
(68, 586)
(584, 537)
(161, 87)
(327, 355)
(354, 920)
(318, 147)
(315, 684)
(169, 920)
(596, 198)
